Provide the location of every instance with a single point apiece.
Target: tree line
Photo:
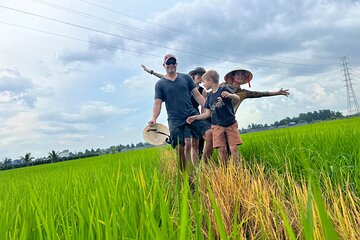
(53, 156)
(309, 117)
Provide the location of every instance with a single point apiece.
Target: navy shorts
(189, 133)
(178, 130)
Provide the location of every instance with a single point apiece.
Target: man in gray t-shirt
(175, 90)
(176, 95)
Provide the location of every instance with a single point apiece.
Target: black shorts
(189, 133)
(178, 130)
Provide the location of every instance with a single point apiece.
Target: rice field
(294, 183)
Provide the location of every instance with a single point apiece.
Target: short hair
(212, 75)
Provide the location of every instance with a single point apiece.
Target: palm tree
(7, 161)
(27, 158)
(53, 156)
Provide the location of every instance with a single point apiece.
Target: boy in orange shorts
(219, 107)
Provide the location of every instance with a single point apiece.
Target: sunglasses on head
(171, 61)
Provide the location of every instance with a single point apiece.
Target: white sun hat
(156, 134)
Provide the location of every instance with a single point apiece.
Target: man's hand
(152, 122)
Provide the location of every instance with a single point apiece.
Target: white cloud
(108, 88)
(141, 83)
(90, 55)
(23, 98)
(12, 80)
(15, 88)
(15, 130)
(90, 112)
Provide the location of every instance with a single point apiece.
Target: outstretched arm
(253, 94)
(152, 72)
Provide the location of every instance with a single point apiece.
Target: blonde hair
(212, 75)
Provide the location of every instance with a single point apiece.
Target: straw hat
(156, 134)
(229, 77)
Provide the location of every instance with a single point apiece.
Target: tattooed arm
(255, 94)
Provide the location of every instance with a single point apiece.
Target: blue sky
(58, 93)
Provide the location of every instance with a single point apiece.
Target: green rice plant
(107, 197)
(218, 218)
(327, 148)
(307, 218)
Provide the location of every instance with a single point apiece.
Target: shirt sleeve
(207, 104)
(159, 94)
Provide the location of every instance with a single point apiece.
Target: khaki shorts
(220, 134)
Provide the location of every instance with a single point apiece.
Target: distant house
(64, 154)
(16, 162)
(291, 123)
